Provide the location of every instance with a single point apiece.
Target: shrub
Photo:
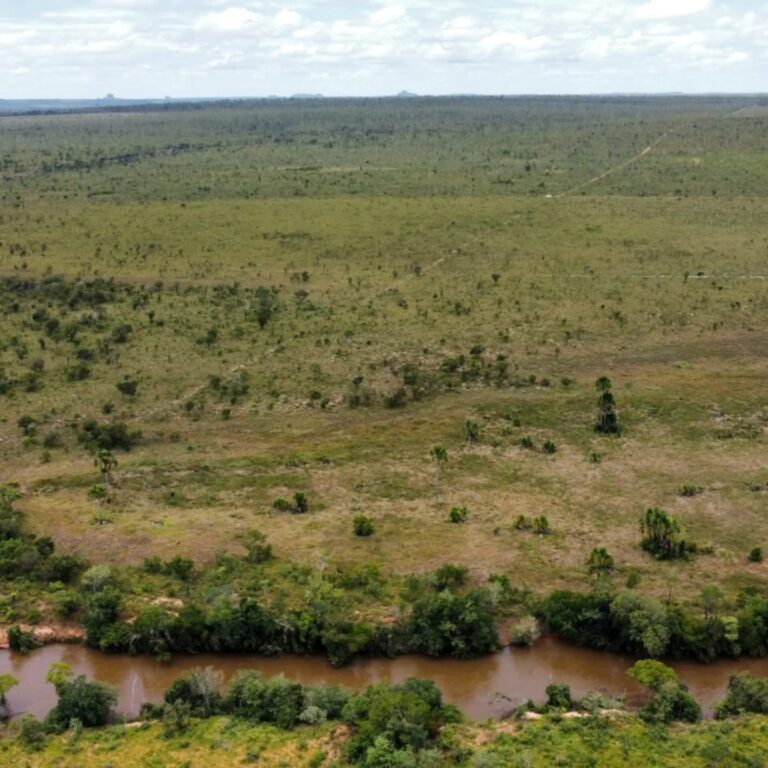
(300, 502)
(362, 525)
(691, 490)
(89, 702)
(549, 447)
(458, 515)
(282, 505)
(395, 721)
(541, 525)
(449, 576)
(107, 437)
(661, 536)
(200, 689)
(599, 561)
(452, 624)
(397, 399)
(31, 732)
(180, 567)
(670, 699)
(258, 550)
(278, 701)
(523, 523)
(127, 386)
(755, 555)
(121, 333)
(153, 564)
(559, 696)
(744, 694)
(78, 372)
(527, 442)
(21, 640)
(66, 603)
(471, 431)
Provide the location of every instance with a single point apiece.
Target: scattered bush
(362, 525)
(661, 536)
(458, 515)
(599, 561)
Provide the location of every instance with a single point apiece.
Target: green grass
(400, 220)
(578, 743)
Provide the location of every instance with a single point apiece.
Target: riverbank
(593, 742)
(46, 634)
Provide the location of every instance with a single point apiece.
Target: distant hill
(66, 105)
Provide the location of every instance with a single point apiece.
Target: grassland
(455, 249)
(578, 743)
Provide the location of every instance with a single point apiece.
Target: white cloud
(388, 14)
(287, 19)
(666, 9)
(229, 20)
(193, 47)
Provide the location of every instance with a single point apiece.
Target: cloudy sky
(186, 48)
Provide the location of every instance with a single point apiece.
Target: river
(483, 688)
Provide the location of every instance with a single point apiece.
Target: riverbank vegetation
(279, 723)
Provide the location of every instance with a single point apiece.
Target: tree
(608, 416)
(200, 689)
(661, 535)
(105, 462)
(670, 699)
(471, 431)
(89, 702)
(599, 561)
(745, 694)
(652, 674)
(258, 550)
(6, 683)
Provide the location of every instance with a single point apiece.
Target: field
(310, 296)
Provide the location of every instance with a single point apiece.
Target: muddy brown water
(483, 688)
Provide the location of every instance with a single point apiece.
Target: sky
(232, 48)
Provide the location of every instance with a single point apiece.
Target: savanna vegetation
(387, 376)
(277, 722)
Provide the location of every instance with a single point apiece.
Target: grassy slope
(401, 223)
(589, 743)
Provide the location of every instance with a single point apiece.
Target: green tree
(91, 703)
(670, 699)
(608, 415)
(105, 462)
(599, 561)
(362, 525)
(200, 689)
(7, 682)
(662, 535)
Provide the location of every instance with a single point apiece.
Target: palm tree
(608, 418)
(105, 462)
